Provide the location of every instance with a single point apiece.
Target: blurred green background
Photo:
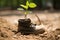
(41, 4)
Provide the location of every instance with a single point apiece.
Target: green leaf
(32, 5)
(27, 3)
(26, 7)
(20, 9)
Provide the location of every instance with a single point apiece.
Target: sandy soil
(51, 21)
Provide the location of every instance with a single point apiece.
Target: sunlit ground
(51, 20)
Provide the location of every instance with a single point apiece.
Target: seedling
(26, 6)
(24, 25)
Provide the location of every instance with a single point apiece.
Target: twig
(38, 19)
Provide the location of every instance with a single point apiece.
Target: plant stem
(26, 14)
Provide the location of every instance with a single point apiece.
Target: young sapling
(28, 5)
(24, 25)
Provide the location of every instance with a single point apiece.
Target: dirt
(51, 22)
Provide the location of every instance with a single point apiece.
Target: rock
(57, 31)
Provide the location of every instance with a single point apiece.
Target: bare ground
(8, 25)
